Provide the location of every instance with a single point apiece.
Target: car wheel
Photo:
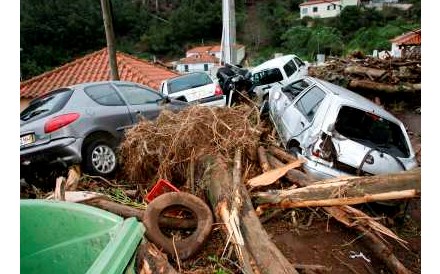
(185, 247)
(100, 157)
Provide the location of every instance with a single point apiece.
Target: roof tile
(95, 67)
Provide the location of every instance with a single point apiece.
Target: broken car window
(371, 130)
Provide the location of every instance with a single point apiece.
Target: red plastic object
(162, 186)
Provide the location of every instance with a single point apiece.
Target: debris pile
(165, 147)
(236, 166)
(392, 75)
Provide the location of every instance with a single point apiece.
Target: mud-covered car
(337, 131)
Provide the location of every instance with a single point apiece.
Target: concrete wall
(194, 67)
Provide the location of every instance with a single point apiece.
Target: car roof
(274, 63)
(83, 85)
(351, 98)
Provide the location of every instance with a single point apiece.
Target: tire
(100, 157)
(185, 247)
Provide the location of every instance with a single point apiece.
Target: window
(46, 105)
(299, 62)
(308, 104)
(315, 9)
(188, 81)
(136, 95)
(186, 68)
(295, 88)
(289, 68)
(267, 77)
(104, 94)
(205, 66)
(304, 10)
(371, 130)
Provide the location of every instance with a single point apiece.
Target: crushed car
(85, 123)
(280, 70)
(338, 132)
(194, 88)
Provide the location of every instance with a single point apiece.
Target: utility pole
(110, 36)
(228, 39)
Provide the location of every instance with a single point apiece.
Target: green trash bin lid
(63, 237)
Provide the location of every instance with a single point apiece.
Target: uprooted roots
(165, 147)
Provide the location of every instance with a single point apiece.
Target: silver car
(84, 124)
(337, 131)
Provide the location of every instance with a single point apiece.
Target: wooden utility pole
(110, 36)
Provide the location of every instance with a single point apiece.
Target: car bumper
(218, 101)
(321, 171)
(65, 150)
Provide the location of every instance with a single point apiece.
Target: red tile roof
(410, 38)
(209, 49)
(204, 58)
(95, 67)
(315, 2)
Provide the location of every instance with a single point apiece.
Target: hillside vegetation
(53, 32)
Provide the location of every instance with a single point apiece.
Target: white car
(282, 70)
(337, 131)
(194, 88)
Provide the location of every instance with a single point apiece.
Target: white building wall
(321, 10)
(194, 67)
(240, 54)
(345, 3)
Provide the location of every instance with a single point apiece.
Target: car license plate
(27, 139)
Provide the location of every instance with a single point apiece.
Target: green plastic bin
(63, 237)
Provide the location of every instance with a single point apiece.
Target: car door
(110, 112)
(298, 116)
(192, 87)
(141, 101)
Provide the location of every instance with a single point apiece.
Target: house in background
(92, 68)
(206, 58)
(324, 8)
(380, 4)
(407, 45)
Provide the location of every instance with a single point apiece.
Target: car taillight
(218, 90)
(60, 121)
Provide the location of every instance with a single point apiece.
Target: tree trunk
(294, 176)
(367, 84)
(263, 255)
(150, 260)
(128, 211)
(110, 36)
(371, 73)
(347, 191)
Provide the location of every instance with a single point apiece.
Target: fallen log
(346, 191)
(128, 211)
(376, 86)
(273, 175)
(150, 260)
(371, 73)
(379, 249)
(262, 158)
(262, 254)
(282, 154)
(294, 176)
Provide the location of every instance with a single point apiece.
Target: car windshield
(372, 130)
(267, 77)
(48, 104)
(188, 82)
